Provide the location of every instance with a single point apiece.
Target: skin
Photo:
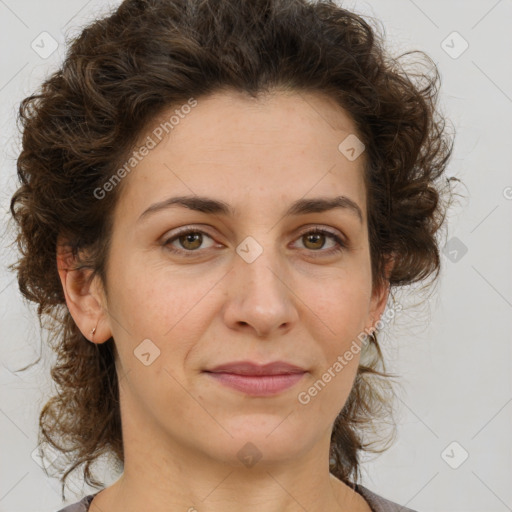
(182, 430)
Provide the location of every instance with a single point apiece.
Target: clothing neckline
(360, 489)
(367, 496)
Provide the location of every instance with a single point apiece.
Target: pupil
(190, 238)
(316, 236)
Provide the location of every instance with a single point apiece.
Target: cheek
(170, 310)
(150, 298)
(342, 306)
(342, 309)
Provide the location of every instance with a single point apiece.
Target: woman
(216, 198)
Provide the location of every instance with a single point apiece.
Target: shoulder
(79, 506)
(380, 504)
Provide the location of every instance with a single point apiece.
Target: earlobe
(84, 298)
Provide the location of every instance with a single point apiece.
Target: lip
(257, 380)
(258, 385)
(250, 368)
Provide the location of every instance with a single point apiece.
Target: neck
(161, 483)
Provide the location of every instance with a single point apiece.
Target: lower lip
(258, 385)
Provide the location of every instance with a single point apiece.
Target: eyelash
(340, 245)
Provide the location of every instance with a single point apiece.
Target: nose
(260, 297)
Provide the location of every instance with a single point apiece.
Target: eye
(315, 239)
(190, 241)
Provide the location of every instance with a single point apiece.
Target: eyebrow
(214, 206)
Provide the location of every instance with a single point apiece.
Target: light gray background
(454, 355)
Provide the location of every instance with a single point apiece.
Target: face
(253, 273)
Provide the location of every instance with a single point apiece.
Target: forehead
(277, 147)
(233, 116)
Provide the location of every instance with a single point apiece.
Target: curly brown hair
(125, 69)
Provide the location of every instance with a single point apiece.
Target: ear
(85, 298)
(380, 298)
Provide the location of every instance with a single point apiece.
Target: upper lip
(250, 368)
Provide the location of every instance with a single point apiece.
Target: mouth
(255, 379)
(257, 385)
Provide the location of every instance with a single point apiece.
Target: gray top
(377, 503)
